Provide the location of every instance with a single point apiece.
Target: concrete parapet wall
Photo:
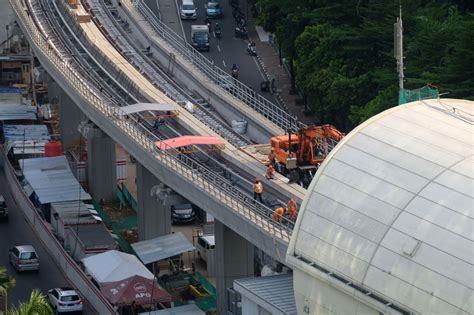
(67, 265)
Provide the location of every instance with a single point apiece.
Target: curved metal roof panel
(392, 208)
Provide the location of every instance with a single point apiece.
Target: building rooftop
(94, 236)
(274, 293)
(390, 212)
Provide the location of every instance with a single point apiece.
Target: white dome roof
(391, 209)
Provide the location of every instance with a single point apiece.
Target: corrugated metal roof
(26, 147)
(72, 212)
(162, 247)
(17, 112)
(392, 208)
(277, 291)
(94, 236)
(25, 132)
(52, 180)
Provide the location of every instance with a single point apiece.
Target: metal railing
(210, 183)
(146, 67)
(269, 110)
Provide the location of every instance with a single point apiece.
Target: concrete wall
(322, 299)
(154, 217)
(234, 256)
(65, 263)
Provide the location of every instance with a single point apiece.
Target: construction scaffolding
(426, 92)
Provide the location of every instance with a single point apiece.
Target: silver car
(65, 300)
(23, 258)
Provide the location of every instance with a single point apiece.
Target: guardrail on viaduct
(272, 112)
(209, 183)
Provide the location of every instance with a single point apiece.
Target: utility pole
(398, 50)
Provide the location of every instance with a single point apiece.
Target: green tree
(342, 51)
(6, 283)
(36, 305)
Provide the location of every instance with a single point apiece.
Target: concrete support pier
(101, 164)
(70, 117)
(154, 216)
(234, 257)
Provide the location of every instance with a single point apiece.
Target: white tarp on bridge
(141, 107)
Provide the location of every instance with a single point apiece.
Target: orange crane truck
(299, 155)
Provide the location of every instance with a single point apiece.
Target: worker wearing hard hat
(257, 190)
(292, 209)
(270, 172)
(279, 214)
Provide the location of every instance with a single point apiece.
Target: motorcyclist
(217, 29)
(252, 49)
(235, 70)
(209, 24)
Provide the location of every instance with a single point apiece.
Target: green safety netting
(426, 92)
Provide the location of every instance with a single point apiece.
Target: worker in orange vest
(258, 190)
(279, 214)
(292, 210)
(271, 157)
(270, 172)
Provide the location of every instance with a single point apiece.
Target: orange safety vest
(292, 205)
(258, 188)
(278, 214)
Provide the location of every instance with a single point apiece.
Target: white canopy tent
(114, 266)
(141, 107)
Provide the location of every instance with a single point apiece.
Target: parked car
(23, 258)
(204, 244)
(65, 300)
(184, 213)
(213, 10)
(3, 209)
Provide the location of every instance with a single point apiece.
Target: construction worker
(279, 214)
(257, 190)
(292, 210)
(271, 157)
(270, 172)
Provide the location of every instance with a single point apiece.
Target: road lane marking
(223, 62)
(218, 48)
(179, 18)
(259, 67)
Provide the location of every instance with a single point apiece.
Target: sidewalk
(270, 62)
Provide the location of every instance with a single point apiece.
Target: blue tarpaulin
(9, 89)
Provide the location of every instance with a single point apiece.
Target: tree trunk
(292, 77)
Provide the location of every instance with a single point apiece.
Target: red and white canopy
(188, 140)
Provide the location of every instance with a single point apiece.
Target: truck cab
(200, 37)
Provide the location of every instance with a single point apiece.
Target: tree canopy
(343, 51)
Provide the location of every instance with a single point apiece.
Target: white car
(65, 300)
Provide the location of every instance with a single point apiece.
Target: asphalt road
(17, 231)
(224, 51)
